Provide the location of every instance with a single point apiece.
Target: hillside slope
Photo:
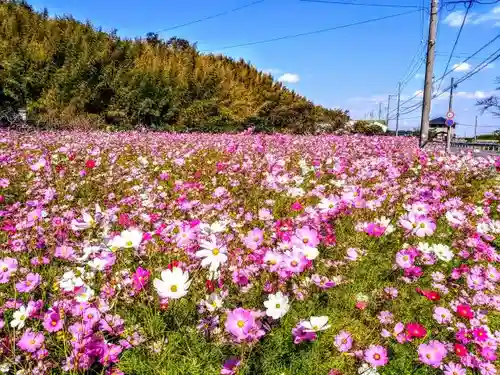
(69, 74)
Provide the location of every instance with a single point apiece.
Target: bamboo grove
(68, 74)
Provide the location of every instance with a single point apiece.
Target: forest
(72, 75)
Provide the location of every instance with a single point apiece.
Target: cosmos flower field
(154, 253)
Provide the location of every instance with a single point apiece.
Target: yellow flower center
(32, 342)
(240, 323)
(173, 288)
(215, 251)
(5, 269)
(376, 356)
(294, 263)
(305, 240)
(129, 243)
(278, 305)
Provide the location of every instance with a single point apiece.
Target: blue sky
(352, 68)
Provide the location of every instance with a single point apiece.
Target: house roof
(439, 121)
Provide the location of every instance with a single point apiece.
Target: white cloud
(419, 75)
(473, 95)
(462, 67)
(493, 16)
(419, 93)
(455, 19)
(289, 78)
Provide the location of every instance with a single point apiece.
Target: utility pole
(450, 109)
(397, 113)
(379, 111)
(475, 130)
(387, 115)
(429, 69)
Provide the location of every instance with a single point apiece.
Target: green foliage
(69, 74)
(366, 127)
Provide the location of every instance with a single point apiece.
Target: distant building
(438, 126)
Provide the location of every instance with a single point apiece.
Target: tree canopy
(70, 74)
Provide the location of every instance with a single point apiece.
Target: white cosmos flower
(88, 251)
(131, 238)
(424, 247)
(277, 305)
(315, 324)
(326, 205)
(173, 283)
(310, 253)
(212, 254)
(98, 264)
(215, 227)
(442, 252)
(70, 281)
(20, 317)
(213, 302)
(84, 294)
(86, 222)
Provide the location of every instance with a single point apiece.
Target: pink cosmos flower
(52, 321)
(239, 323)
(254, 238)
(305, 237)
(454, 369)
(31, 341)
(295, 261)
(91, 316)
(432, 353)
(273, 260)
(405, 259)
(391, 292)
(31, 281)
(417, 225)
(64, 252)
(488, 354)
(442, 315)
(343, 341)
(376, 356)
(385, 317)
(7, 267)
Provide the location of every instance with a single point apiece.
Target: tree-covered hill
(70, 74)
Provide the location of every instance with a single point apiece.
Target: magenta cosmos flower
(376, 355)
(140, 278)
(433, 353)
(52, 321)
(27, 285)
(31, 341)
(239, 323)
(230, 366)
(343, 341)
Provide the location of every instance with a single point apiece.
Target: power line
(313, 32)
(452, 70)
(455, 44)
(493, 57)
(212, 16)
(363, 4)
